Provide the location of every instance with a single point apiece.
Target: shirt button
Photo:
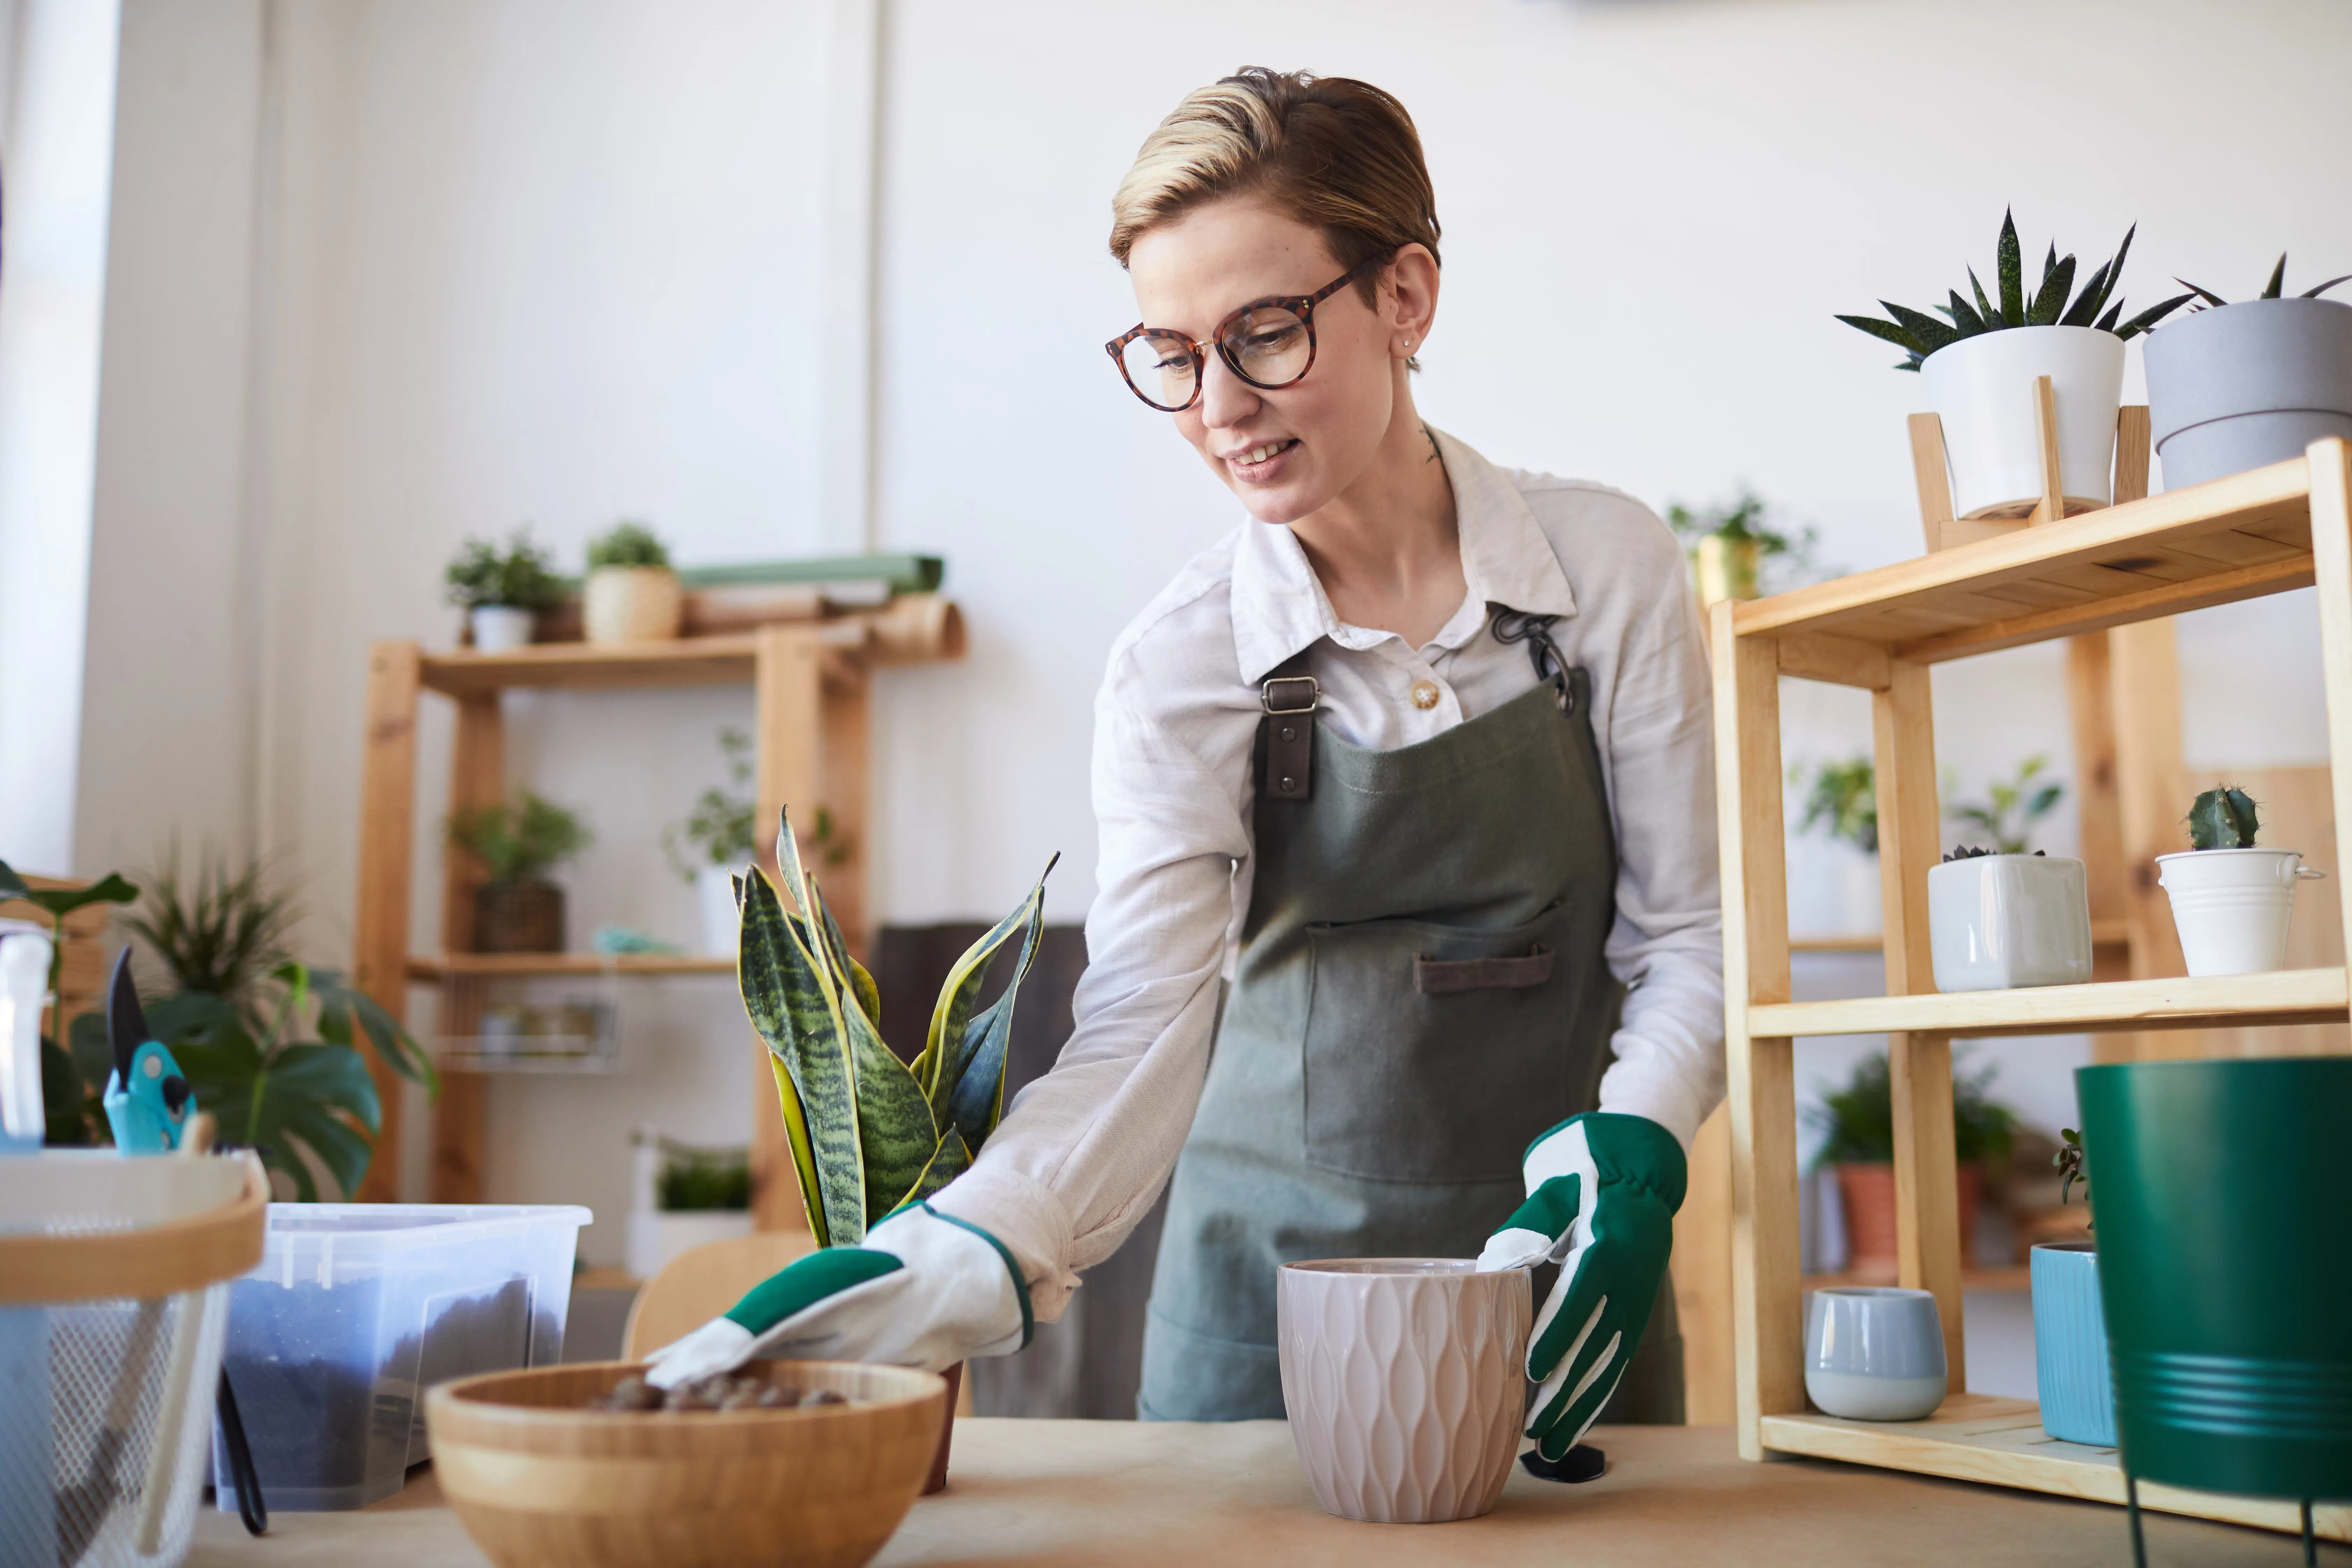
(1425, 694)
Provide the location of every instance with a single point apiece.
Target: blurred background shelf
(433, 968)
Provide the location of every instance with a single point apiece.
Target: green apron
(1420, 991)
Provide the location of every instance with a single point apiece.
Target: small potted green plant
(1729, 544)
(2237, 386)
(1981, 361)
(686, 1196)
(515, 908)
(719, 843)
(2230, 902)
(1842, 797)
(2070, 1332)
(2003, 917)
(631, 594)
(502, 590)
(1858, 1121)
(869, 1132)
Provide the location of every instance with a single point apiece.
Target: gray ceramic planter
(2248, 384)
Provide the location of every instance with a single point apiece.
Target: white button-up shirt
(1085, 1149)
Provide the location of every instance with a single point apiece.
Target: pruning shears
(148, 1101)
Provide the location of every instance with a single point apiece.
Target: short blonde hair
(1337, 155)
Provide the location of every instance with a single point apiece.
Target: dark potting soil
(317, 1422)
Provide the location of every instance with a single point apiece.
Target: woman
(1404, 792)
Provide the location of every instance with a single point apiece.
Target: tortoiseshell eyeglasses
(1268, 342)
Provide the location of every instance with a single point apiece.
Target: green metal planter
(2223, 1191)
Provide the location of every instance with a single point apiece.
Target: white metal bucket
(2231, 906)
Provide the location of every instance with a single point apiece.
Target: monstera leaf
(868, 1132)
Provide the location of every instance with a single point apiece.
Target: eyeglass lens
(1267, 345)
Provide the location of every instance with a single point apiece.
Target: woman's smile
(1261, 463)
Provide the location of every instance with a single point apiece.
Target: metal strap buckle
(1265, 698)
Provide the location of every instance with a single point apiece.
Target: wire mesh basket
(114, 1300)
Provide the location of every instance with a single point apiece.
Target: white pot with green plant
(686, 1196)
(2009, 916)
(631, 594)
(1842, 797)
(2230, 902)
(1981, 362)
(515, 908)
(502, 590)
(2232, 387)
(714, 845)
(1733, 550)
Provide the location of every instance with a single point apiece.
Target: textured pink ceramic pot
(1402, 1377)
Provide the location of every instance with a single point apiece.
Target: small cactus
(2222, 818)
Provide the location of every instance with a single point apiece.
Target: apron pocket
(1435, 1053)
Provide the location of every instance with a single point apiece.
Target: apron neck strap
(1288, 696)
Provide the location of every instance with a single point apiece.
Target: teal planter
(2070, 1345)
(2222, 1190)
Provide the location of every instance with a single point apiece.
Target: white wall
(563, 262)
(56, 140)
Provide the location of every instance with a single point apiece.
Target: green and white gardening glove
(1602, 1190)
(923, 1289)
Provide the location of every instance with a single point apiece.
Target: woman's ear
(1411, 286)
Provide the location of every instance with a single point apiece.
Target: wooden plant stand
(813, 698)
(2265, 531)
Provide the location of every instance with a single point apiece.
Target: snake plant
(869, 1132)
(2273, 289)
(1918, 334)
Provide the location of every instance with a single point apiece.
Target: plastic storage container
(357, 1308)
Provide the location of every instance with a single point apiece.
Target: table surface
(1111, 1492)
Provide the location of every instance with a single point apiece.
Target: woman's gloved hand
(1602, 1190)
(923, 1289)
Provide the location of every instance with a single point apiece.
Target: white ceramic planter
(631, 604)
(1404, 1381)
(498, 627)
(722, 923)
(2247, 385)
(1998, 922)
(2231, 906)
(1982, 389)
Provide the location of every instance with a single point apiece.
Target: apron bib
(1420, 993)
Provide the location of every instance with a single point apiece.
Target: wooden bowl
(536, 1479)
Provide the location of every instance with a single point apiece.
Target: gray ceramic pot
(2248, 384)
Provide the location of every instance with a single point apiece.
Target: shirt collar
(1279, 608)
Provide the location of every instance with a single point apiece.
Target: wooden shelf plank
(2104, 933)
(522, 965)
(2013, 1276)
(2136, 560)
(1981, 1437)
(2285, 996)
(684, 661)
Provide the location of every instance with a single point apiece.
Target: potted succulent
(515, 908)
(685, 1197)
(717, 836)
(2232, 387)
(1981, 361)
(502, 590)
(1859, 1122)
(1729, 544)
(870, 1132)
(2001, 918)
(631, 594)
(2230, 902)
(1843, 797)
(2070, 1334)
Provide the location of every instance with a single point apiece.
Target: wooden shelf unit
(813, 703)
(2286, 526)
